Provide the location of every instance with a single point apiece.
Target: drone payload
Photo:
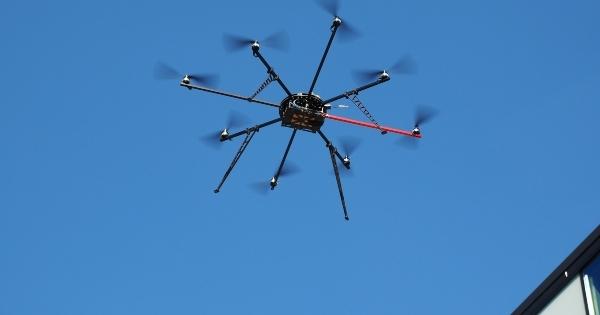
(303, 111)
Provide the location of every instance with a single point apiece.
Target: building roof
(562, 275)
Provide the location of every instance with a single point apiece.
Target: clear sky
(106, 202)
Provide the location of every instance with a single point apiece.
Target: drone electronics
(305, 111)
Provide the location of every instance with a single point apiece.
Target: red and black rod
(371, 125)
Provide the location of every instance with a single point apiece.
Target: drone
(302, 111)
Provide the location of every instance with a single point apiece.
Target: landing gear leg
(243, 146)
(332, 151)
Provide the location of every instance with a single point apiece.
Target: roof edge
(562, 275)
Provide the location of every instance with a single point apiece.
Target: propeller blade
(330, 6)
(235, 120)
(347, 32)
(234, 42)
(362, 76)
(424, 114)
(205, 79)
(404, 65)
(212, 139)
(261, 187)
(349, 144)
(279, 40)
(163, 71)
(288, 169)
(346, 172)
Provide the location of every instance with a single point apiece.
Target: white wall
(569, 301)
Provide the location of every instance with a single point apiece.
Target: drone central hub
(303, 111)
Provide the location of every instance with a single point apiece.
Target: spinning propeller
(345, 30)
(404, 65)
(348, 144)
(162, 71)
(234, 120)
(279, 41)
(423, 114)
(288, 169)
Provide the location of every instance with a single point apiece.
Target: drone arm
(314, 81)
(209, 90)
(335, 151)
(270, 70)
(371, 125)
(251, 129)
(287, 150)
(357, 90)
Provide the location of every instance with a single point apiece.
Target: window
(591, 281)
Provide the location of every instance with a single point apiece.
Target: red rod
(371, 125)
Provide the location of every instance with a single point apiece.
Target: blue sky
(106, 202)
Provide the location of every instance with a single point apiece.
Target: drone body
(303, 111)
